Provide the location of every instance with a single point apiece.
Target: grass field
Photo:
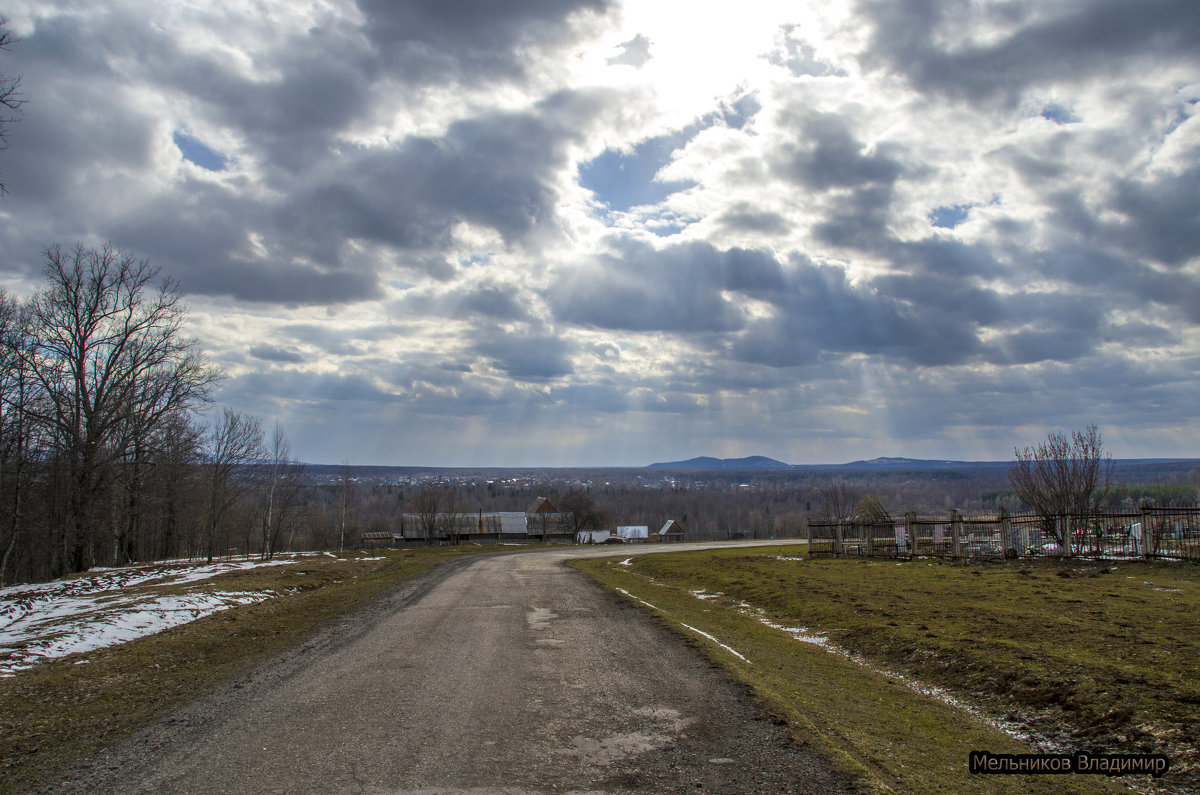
(1086, 658)
(60, 711)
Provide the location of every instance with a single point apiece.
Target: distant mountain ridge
(884, 463)
(707, 462)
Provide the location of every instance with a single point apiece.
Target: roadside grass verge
(1098, 662)
(64, 710)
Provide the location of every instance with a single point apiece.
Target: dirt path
(509, 674)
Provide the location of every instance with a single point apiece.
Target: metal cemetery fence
(1150, 533)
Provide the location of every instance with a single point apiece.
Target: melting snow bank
(55, 619)
(85, 627)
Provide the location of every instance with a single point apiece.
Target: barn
(634, 532)
(671, 531)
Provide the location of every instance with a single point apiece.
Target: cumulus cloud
(852, 229)
(1001, 50)
(469, 40)
(635, 53)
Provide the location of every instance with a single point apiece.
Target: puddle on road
(666, 725)
(539, 617)
(615, 747)
(473, 791)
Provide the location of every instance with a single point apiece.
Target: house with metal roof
(540, 523)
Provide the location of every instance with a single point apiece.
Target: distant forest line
(331, 507)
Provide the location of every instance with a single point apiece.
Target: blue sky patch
(668, 227)
(949, 216)
(198, 153)
(626, 179)
(741, 110)
(1059, 114)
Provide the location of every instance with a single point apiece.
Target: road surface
(501, 674)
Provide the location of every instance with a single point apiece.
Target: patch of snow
(729, 649)
(626, 562)
(636, 599)
(198, 573)
(705, 595)
(106, 607)
(797, 633)
(82, 624)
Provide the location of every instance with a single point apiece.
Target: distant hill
(706, 462)
(916, 463)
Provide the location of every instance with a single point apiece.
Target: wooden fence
(1150, 533)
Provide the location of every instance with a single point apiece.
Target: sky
(594, 233)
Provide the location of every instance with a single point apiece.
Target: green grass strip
(877, 729)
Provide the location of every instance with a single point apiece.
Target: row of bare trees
(103, 456)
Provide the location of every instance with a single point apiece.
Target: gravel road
(501, 674)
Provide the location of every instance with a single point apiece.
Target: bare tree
(346, 489)
(585, 514)
(427, 505)
(1062, 477)
(837, 499)
(110, 355)
(10, 97)
(454, 517)
(234, 442)
(16, 432)
(282, 481)
(179, 442)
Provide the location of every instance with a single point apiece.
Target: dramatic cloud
(601, 232)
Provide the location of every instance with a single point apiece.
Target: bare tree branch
(1062, 477)
(10, 96)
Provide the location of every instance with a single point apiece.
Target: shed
(671, 531)
(634, 532)
(513, 523)
(377, 539)
(592, 536)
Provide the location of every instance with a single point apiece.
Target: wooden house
(671, 531)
